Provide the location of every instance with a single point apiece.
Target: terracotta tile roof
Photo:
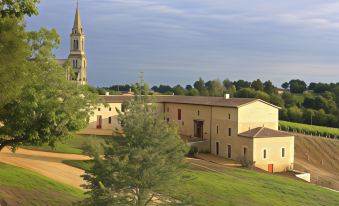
(196, 100)
(261, 132)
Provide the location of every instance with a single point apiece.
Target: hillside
(246, 187)
(23, 187)
(320, 157)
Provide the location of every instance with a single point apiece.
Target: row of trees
(315, 103)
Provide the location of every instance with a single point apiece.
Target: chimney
(107, 94)
(227, 96)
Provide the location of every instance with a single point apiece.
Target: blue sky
(178, 41)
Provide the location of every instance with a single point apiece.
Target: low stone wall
(303, 175)
(203, 146)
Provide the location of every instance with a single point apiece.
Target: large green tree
(37, 105)
(14, 54)
(142, 164)
(18, 8)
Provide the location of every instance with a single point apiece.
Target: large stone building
(77, 55)
(233, 128)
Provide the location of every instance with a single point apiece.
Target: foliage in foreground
(309, 129)
(141, 165)
(37, 104)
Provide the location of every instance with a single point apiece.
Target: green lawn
(71, 146)
(81, 164)
(23, 187)
(246, 187)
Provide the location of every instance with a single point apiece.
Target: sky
(178, 41)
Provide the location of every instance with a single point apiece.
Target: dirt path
(46, 163)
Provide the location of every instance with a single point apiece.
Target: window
(229, 116)
(75, 63)
(75, 44)
(99, 109)
(229, 131)
(179, 114)
(245, 151)
(198, 112)
(217, 129)
(282, 152)
(229, 151)
(265, 154)
(217, 148)
(110, 109)
(109, 120)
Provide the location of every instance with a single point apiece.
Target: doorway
(198, 129)
(217, 147)
(99, 122)
(270, 168)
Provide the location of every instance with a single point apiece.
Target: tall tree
(200, 86)
(140, 165)
(178, 90)
(48, 108)
(269, 87)
(215, 88)
(14, 53)
(257, 85)
(18, 8)
(285, 85)
(297, 86)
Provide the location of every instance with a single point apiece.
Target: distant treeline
(314, 103)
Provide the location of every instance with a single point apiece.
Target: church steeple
(77, 27)
(77, 55)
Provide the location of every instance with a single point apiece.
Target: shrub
(193, 151)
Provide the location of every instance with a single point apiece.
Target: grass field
(309, 129)
(80, 164)
(71, 146)
(23, 187)
(246, 187)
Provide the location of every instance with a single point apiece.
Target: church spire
(77, 55)
(77, 27)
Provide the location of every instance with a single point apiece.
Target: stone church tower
(77, 55)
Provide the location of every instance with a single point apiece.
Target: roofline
(238, 106)
(260, 100)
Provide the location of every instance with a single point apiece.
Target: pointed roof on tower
(77, 21)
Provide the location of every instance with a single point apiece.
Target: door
(229, 151)
(270, 168)
(217, 147)
(99, 122)
(199, 129)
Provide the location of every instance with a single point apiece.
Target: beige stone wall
(257, 114)
(189, 113)
(273, 147)
(237, 147)
(224, 118)
(105, 113)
